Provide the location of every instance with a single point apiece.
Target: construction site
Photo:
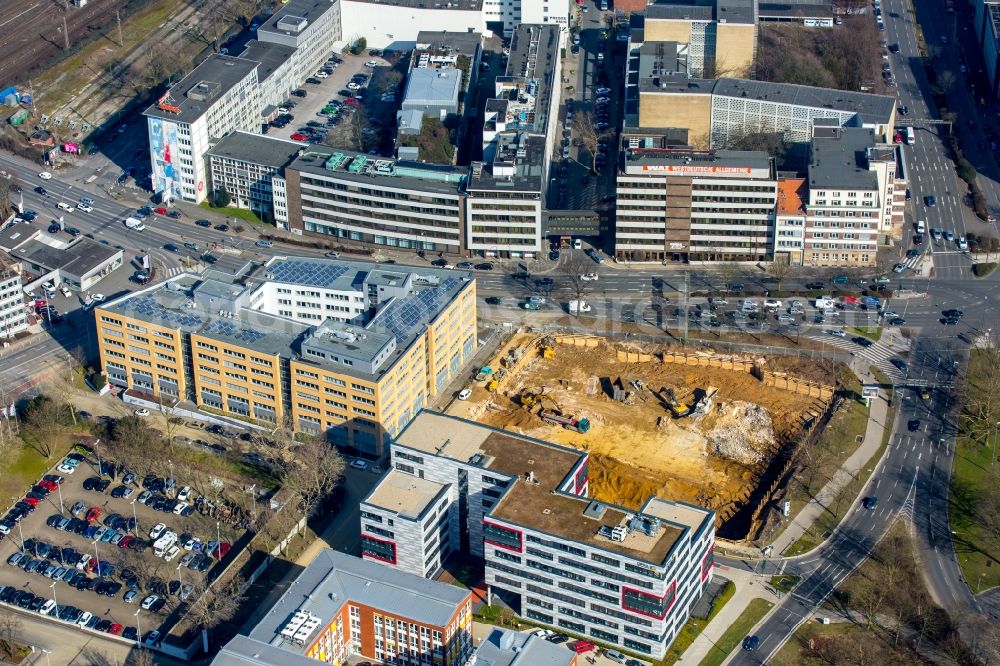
(698, 427)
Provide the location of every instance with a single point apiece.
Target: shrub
(984, 269)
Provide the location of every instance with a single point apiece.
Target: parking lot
(307, 123)
(90, 545)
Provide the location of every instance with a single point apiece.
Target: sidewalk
(877, 415)
(748, 587)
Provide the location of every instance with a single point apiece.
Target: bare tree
(215, 606)
(140, 657)
(314, 472)
(44, 420)
(10, 628)
(779, 270)
(590, 136)
(574, 267)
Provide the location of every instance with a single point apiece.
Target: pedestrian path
(878, 353)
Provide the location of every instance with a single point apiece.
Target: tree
(359, 46)
(590, 136)
(981, 398)
(222, 198)
(44, 420)
(215, 606)
(8, 191)
(573, 268)
(140, 657)
(11, 626)
(135, 445)
(313, 473)
(779, 270)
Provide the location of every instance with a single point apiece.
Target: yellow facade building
(349, 349)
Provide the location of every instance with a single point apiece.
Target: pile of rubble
(742, 432)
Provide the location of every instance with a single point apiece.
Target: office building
(219, 96)
(78, 263)
(13, 317)
(677, 204)
(851, 188)
(511, 13)
(395, 24)
(349, 196)
(420, 516)
(721, 113)
(348, 349)
(276, 76)
(718, 37)
(628, 578)
(987, 26)
(310, 27)
(342, 609)
(244, 165)
(505, 216)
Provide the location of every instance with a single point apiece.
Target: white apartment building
(311, 28)
(245, 164)
(219, 96)
(514, 12)
(678, 204)
(625, 578)
(395, 203)
(407, 521)
(851, 197)
(13, 318)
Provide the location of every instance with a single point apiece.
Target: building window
(504, 537)
(648, 604)
(378, 549)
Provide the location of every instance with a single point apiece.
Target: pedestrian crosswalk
(878, 353)
(177, 270)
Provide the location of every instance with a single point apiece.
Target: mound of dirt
(742, 432)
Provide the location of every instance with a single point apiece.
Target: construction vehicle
(484, 372)
(581, 425)
(494, 382)
(677, 408)
(547, 350)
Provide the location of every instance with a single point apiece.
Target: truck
(581, 425)
(576, 307)
(825, 303)
(163, 544)
(135, 224)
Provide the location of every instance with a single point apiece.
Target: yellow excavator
(677, 408)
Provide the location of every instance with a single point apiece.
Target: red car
(352, 101)
(30, 500)
(160, 211)
(115, 629)
(90, 565)
(126, 540)
(581, 646)
(93, 514)
(49, 485)
(222, 550)
(298, 137)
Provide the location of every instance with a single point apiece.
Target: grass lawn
(229, 211)
(829, 519)
(790, 653)
(870, 332)
(26, 469)
(737, 631)
(695, 625)
(824, 458)
(784, 584)
(972, 475)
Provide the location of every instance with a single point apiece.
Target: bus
(910, 138)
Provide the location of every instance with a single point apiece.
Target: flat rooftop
(270, 56)
(257, 149)
(534, 54)
(505, 647)
(723, 161)
(334, 579)
(367, 170)
(509, 172)
(404, 494)
(786, 10)
(453, 5)
(870, 108)
(539, 505)
(840, 161)
(78, 258)
(432, 87)
(295, 17)
(728, 11)
(191, 97)
(464, 43)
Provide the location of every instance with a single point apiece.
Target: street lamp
(138, 629)
(47, 653)
(97, 557)
(135, 519)
(62, 507)
(54, 597)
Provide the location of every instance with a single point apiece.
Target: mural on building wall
(163, 150)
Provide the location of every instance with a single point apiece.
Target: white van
(577, 244)
(748, 306)
(133, 223)
(824, 303)
(65, 206)
(920, 226)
